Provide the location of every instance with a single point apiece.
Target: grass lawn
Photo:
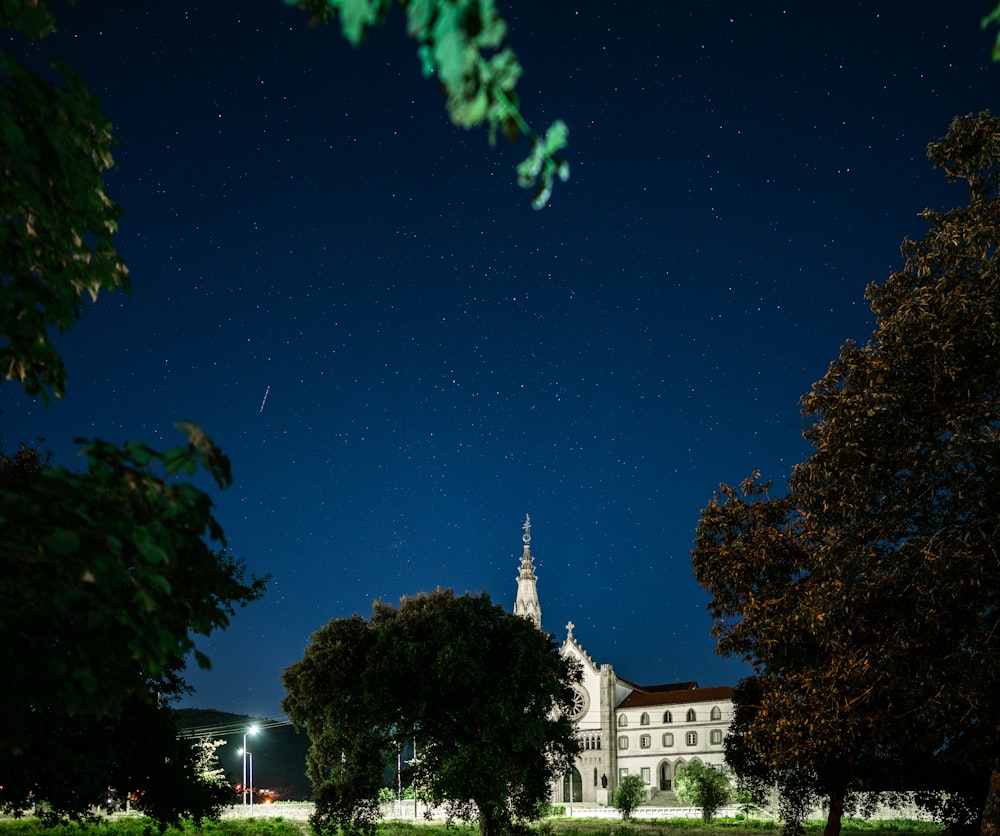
(551, 827)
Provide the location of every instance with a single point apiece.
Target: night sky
(303, 222)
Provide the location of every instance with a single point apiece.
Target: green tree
(881, 565)
(705, 787)
(106, 578)
(57, 218)
(485, 694)
(629, 794)
(74, 767)
(461, 45)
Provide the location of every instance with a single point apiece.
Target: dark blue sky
(440, 359)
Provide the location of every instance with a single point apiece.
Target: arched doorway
(666, 776)
(572, 782)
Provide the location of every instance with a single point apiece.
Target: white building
(629, 729)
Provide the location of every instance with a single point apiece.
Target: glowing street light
(243, 751)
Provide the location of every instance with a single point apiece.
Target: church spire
(526, 603)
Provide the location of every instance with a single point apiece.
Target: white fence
(580, 811)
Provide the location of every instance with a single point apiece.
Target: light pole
(243, 751)
(251, 777)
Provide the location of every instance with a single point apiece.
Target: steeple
(526, 603)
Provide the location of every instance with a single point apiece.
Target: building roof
(670, 686)
(668, 696)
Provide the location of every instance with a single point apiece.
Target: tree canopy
(484, 695)
(866, 597)
(461, 45)
(57, 218)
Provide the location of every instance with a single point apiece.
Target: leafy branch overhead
(461, 42)
(988, 21)
(58, 221)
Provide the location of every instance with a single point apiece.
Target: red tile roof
(668, 696)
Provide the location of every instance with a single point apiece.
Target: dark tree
(484, 694)
(105, 578)
(74, 768)
(880, 567)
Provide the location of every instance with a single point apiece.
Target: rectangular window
(668, 739)
(645, 741)
(645, 775)
(622, 772)
(691, 738)
(716, 736)
(623, 742)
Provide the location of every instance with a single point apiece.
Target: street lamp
(243, 751)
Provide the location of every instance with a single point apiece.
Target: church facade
(625, 728)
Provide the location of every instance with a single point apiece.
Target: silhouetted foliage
(867, 597)
(484, 694)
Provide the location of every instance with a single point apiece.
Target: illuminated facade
(629, 729)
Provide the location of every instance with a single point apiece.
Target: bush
(705, 787)
(631, 792)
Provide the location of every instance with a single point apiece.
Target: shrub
(631, 792)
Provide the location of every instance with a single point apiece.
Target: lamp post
(251, 778)
(243, 751)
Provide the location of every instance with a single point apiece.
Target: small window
(595, 776)
(668, 717)
(645, 741)
(691, 738)
(622, 772)
(691, 716)
(644, 719)
(623, 742)
(716, 736)
(668, 739)
(716, 713)
(622, 721)
(598, 743)
(645, 775)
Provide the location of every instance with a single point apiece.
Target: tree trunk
(990, 825)
(835, 815)
(487, 821)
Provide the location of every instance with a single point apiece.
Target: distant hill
(279, 753)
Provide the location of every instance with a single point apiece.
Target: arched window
(622, 721)
(586, 743)
(691, 716)
(598, 743)
(668, 717)
(716, 712)
(644, 719)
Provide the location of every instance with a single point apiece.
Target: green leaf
(62, 542)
